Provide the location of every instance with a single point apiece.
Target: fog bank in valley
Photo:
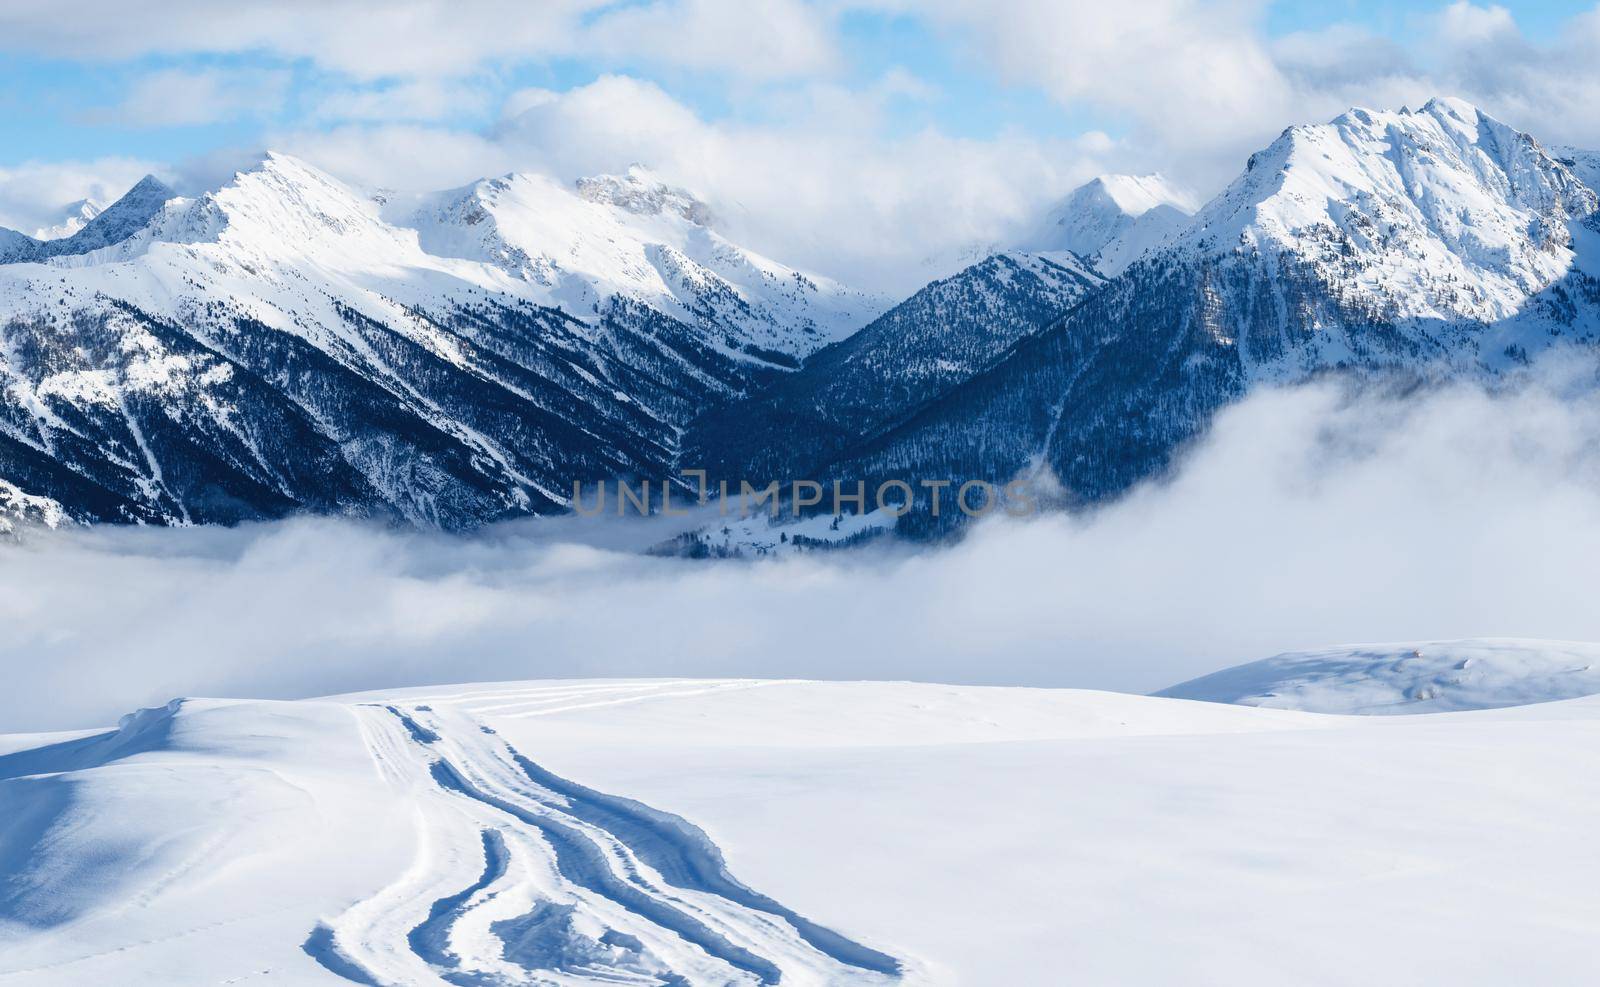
(1309, 517)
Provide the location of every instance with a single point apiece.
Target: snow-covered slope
(1420, 677)
(18, 509)
(323, 842)
(1113, 220)
(275, 345)
(634, 237)
(746, 832)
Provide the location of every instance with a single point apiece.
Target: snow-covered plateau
(755, 832)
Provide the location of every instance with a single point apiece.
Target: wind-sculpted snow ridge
(1419, 677)
(523, 877)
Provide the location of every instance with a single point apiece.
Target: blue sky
(1398, 19)
(60, 107)
(941, 119)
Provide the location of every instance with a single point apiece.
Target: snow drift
(1419, 677)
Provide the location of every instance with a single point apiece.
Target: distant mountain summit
(935, 340)
(73, 218)
(1112, 220)
(635, 239)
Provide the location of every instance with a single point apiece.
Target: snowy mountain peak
(1452, 108)
(633, 237)
(287, 191)
(292, 184)
(112, 225)
(642, 193)
(147, 189)
(73, 217)
(282, 207)
(1417, 200)
(118, 221)
(1136, 195)
(1112, 220)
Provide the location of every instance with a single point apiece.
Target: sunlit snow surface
(746, 831)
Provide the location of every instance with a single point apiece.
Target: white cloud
(1339, 56)
(1548, 89)
(1308, 519)
(365, 38)
(1201, 85)
(415, 100)
(404, 156)
(190, 97)
(522, 100)
(757, 38)
(1463, 23)
(371, 39)
(1195, 77)
(819, 169)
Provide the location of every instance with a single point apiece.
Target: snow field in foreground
(743, 831)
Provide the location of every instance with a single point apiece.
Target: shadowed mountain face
(874, 381)
(244, 421)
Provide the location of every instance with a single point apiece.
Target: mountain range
(1424, 243)
(287, 343)
(276, 345)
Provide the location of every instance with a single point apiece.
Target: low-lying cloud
(1310, 517)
